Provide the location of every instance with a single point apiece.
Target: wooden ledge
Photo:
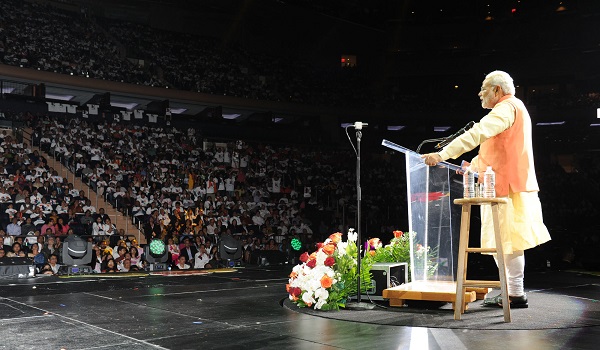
(480, 201)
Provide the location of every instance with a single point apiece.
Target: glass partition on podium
(433, 218)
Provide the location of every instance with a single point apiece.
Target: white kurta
(521, 220)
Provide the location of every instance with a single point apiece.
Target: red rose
(330, 261)
(319, 245)
(304, 257)
(398, 234)
(295, 291)
(311, 263)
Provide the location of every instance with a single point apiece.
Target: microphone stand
(358, 305)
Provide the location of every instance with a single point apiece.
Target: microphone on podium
(449, 139)
(359, 125)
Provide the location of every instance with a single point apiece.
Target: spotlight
(230, 250)
(76, 256)
(156, 255)
(296, 244)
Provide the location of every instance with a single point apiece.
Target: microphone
(359, 125)
(449, 139)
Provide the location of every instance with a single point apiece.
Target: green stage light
(157, 247)
(296, 244)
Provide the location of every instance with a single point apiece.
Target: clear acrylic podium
(435, 222)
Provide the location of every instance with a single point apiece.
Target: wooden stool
(463, 249)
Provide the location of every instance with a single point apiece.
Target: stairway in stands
(116, 217)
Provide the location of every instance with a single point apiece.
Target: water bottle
(489, 183)
(469, 184)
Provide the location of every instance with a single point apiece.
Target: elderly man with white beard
(504, 137)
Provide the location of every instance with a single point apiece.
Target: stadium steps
(116, 217)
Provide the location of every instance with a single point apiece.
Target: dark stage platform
(247, 309)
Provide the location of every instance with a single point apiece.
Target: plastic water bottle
(469, 184)
(489, 183)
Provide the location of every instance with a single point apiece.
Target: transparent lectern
(435, 222)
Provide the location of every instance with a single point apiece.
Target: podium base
(359, 306)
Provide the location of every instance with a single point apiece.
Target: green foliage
(399, 251)
(346, 266)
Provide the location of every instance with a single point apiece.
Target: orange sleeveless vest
(510, 153)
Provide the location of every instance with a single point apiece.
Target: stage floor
(246, 309)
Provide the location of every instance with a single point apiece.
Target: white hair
(501, 79)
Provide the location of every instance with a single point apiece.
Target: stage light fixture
(230, 250)
(296, 244)
(76, 256)
(157, 248)
(156, 255)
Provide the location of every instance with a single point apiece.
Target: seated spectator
(16, 251)
(49, 228)
(61, 229)
(109, 265)
(14, 229)
(188, 251)
(53, 262)
(215, 257)
(120, 253)
(136, 259)
(202, 258)
(28, 228)
(181, 264)
(98, 229)
(87, 220)
(109, 228)
(46, 270)
(173, 250)
(97, 259)
(136, 245)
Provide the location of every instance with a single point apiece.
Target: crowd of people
(176, 189)
(42, 37)
(39, 36)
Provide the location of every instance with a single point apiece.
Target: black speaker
(387, 275)
(384, 276)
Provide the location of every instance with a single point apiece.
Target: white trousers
(515, 271)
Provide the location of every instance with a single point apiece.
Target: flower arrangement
(326, 278)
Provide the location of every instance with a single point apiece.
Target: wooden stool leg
(461, 273)
(501, 265)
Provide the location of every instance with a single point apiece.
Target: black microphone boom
(449, 139)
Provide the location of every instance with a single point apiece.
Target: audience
(176, 189)
(268, 207)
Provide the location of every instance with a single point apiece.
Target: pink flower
(374, 243)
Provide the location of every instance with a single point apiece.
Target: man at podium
(504, 137)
